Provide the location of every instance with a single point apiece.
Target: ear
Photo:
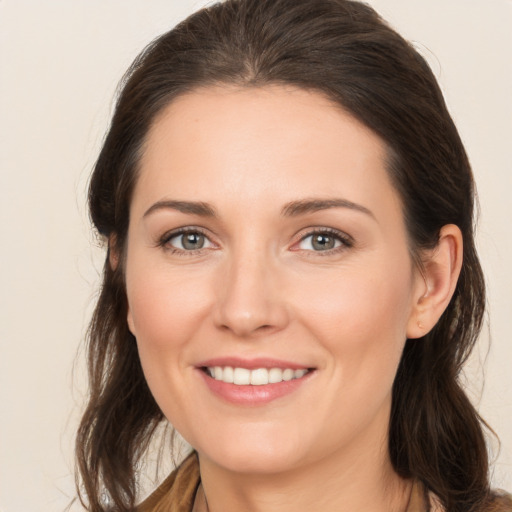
(440, 272)
(129, 319)
(113, 259)
(113, 252)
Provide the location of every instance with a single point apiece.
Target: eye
(189, 240)
(322, 241)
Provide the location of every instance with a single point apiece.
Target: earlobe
(129, 319)
(441, 269)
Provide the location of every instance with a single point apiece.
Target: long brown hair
(344, 50)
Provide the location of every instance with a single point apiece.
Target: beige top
(180, 492)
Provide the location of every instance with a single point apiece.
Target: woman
(291, 278)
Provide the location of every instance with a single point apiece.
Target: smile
(255, 381)
(256, 377)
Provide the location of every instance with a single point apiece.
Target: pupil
(193, 241)
(323, 242)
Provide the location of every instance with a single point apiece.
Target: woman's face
(266, 243)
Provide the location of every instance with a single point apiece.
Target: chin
(255, 461)
(259, 453)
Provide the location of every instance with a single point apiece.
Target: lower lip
(253, 395)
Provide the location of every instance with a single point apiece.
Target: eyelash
(346, 241)
(164, 240)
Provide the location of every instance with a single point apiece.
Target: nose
(249, 300)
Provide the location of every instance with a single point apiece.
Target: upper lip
(253, 363)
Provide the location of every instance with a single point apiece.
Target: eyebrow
(193, 207)
(304, 206)
(292, 209)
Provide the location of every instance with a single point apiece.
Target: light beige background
(60, 62)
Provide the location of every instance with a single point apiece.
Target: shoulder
(177, 492)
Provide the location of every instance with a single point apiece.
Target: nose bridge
(249, 300)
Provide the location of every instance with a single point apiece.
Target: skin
(259, 288)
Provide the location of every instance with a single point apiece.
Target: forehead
(252, 144)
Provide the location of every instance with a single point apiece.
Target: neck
(349, 480)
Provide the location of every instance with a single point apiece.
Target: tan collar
(178, 491)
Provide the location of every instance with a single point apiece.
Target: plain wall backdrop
(60, 62)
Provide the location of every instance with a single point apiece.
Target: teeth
(275, 375)
(288, 374)
(228, 374)
(241, 376)
(257, 377)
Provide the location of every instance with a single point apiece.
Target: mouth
(254, 377)
(253, 382)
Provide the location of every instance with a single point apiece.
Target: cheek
(358, 302)
(361, 320)
(164, 310)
